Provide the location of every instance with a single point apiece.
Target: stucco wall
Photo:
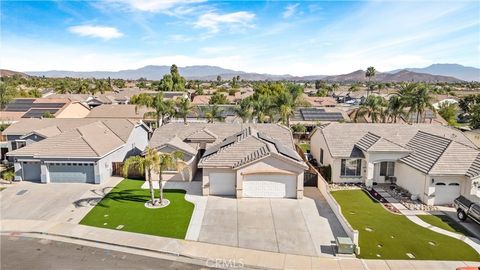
(137, 142)
(187, 174)
(74, 110)
(336, 178)
(317, 141)
(271, 165)
(412, 180)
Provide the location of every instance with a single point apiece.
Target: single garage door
(222, 184)
(71, 173)
(445, 193)
(270, 186)
(31, 171)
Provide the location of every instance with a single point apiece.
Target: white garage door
(222, 183)
(270, 186)
(445, 193)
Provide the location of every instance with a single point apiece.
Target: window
(20, 144)
(321, 156)
(387, 168)
(351, 167)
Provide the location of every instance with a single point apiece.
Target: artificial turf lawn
(124, 205)
(444, 222)
(394, 236)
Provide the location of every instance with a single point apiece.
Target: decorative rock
(119, 227)
(410, 255)
(368, 229)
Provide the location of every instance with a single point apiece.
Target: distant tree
(353, 88)
(177, 79)
(7, 93)
(299, 128)
(183, 107)
(219, 79)
(213, 113)
(373, 107)
(370, 73)
(166, 83)
(119, 83)
(47, 114)
(218, 99)
(449, 112)
(474, 117)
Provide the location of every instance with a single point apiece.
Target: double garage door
(445, 193)
(255, 186)
(71, 172)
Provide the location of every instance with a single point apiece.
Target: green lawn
(305, 147)
(384, 235)
(124, 205)
(444, 222)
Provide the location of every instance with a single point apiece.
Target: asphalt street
(32, 253)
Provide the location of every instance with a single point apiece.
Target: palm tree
(168, 161)
(420, 101)
(149, 162)
(373, 107)
(163, 108)
(183, 108)
(370, 73)
(395, 108)
(244, 110)
(212, 113)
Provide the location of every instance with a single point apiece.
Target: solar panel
(227, 141)
(287, 152)
(38, 113)
(320, 115)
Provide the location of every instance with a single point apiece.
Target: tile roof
(235, 144)
(126, 111)
(94, 140)
(433, 149)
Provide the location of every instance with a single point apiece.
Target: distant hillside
(437, 73)
(451, 70)
(399, 76)
(9, 73)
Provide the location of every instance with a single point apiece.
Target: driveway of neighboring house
(304, 227)
(28, 200)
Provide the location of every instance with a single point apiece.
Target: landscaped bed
(123, 209)
(444, 222)
(384, 235)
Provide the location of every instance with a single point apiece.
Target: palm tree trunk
(185, 119)
(160, 186)
(150, 186)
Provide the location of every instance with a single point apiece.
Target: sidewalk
(210, 252)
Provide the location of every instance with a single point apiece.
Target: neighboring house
(36, 107)
(226, 113)
(435, 163)
(242, 160)
(313, 116)
(126, 111)
(84, 154)
(320, 101)
(205, 99)
(473, 135)
(120, 96)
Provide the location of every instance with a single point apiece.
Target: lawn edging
(337, 210)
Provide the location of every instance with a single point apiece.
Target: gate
(310, 179)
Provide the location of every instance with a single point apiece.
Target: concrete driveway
(278, 225)
(61, 202)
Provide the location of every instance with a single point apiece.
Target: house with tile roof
(74, 150)
(242, 160)
(433, 162)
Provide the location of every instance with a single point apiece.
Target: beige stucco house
(242, 160)
(435, 163)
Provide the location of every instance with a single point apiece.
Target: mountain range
(432, 73)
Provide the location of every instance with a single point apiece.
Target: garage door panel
(31, 171)
(69, 173)
(445, 193)
(222, 184)
(270, 186)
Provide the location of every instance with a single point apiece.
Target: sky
(276, 37)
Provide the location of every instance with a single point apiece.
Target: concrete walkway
(194, 195)
(208, 252)
(412, 216)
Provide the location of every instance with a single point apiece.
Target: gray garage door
(71, 173)
(31, 171)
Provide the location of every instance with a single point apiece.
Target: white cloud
(290, 10)
(217, 49)
(153, 5)
(213, 21)
(103, 32)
